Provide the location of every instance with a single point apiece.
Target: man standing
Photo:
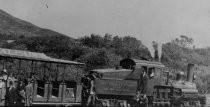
(143, 86)
(21, 92)
(29, 92)
(143, 82)
(85, 87)
(92, 95)
(11, 95)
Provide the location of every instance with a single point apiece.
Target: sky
(147, 20)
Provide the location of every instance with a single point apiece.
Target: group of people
(143, 86)
(13, 90)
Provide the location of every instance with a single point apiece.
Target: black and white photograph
(105, 53)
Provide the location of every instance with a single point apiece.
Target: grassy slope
(10, 25)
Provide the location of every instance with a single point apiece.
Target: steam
(160, 51)
(156, 51)
(151, 50)
(155, 46)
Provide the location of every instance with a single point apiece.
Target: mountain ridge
(10, 25)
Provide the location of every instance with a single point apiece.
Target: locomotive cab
(154, 71)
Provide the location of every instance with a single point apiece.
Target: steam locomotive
(120, 86)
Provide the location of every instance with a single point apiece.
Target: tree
(117, 42)
(183, 41)
(95, 59)
(107, 40)
(79, 50)
(135, 47)
(94, 41)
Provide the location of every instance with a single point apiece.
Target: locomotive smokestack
(190, 72)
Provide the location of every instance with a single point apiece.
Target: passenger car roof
(26, 55)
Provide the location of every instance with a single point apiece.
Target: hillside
(10, 25)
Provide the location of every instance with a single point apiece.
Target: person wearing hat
(4, 74)
(4, 71)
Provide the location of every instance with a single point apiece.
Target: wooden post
(19, 66)
(49, 94)
(77, 74)
(50, 72)
(35, 63)
(44, 71)
(56, 77)
(64, 73)
(3, 64)
(79, 93)
(32, 68)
